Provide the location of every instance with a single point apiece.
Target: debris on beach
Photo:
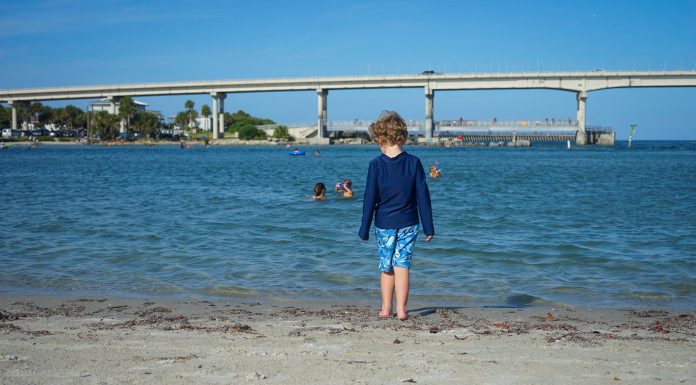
(239, 329)
(658, 328)
(28, 310)
(648, 313)
(147, 312)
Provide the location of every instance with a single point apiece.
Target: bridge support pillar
(221, 131)
(322, 113)
(14, 114)
(581, 135)
(429, 120)
(214, 130)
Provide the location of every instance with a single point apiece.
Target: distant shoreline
(236, 142)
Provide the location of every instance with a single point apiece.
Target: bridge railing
(460, 125)
(288, 125)
(507, 123)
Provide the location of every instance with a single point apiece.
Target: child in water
(346, 187)
(435, 172)
(319, 192)
(396, 194)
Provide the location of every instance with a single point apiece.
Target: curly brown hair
(389, 129)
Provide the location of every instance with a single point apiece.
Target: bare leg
(387, 294)
(401, 285)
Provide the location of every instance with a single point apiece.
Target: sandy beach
(115, 341)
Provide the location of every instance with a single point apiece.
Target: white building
(204, 123)
(105, 105)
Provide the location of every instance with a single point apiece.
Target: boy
(396, 193)
(346, 187)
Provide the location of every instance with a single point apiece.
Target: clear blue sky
(48, 43)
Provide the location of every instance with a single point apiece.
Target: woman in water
(319, 192)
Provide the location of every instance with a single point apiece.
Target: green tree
(46, 115)
(5, 117)
(23, 112)
(241, 118)
(189, 104)
(126, 110)
(146, 122)
(35, 111)
(182, 120)
(281, 132)
(250, 132)
(105, 124)
(205, 112)
(74, 115)
(61, 117)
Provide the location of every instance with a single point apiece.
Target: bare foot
(403, 316)
(385, 313)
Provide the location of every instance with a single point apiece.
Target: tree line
(70, 117)
(240, 122)
(107, 126)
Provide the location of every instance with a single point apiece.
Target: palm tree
(182, 120)
(104, 124)
(205, 111)
(126, 109)
(191, 112)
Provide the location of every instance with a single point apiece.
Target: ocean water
(593, 226)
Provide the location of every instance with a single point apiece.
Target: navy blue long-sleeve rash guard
(395, 193)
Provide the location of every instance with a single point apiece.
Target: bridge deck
(569, 81)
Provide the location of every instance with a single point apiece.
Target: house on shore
(106, 105)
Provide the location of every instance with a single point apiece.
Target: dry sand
(119, 341)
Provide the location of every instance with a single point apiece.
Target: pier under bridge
(464, 130)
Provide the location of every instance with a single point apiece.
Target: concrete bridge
(582, 83)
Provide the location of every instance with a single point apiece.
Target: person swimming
(346, 187)
(435, 172)
(319, 192)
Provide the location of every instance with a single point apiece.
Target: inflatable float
(296, 152)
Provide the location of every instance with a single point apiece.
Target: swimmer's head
(319, 189)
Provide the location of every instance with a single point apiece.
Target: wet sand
(115, 341)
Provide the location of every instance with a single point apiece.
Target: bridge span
(582, 83)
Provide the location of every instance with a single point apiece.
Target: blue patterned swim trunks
(395, 247)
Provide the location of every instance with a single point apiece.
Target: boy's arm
(423, 200)
(369, 202)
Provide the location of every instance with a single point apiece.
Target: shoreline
(65, 340)
(218, 142)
